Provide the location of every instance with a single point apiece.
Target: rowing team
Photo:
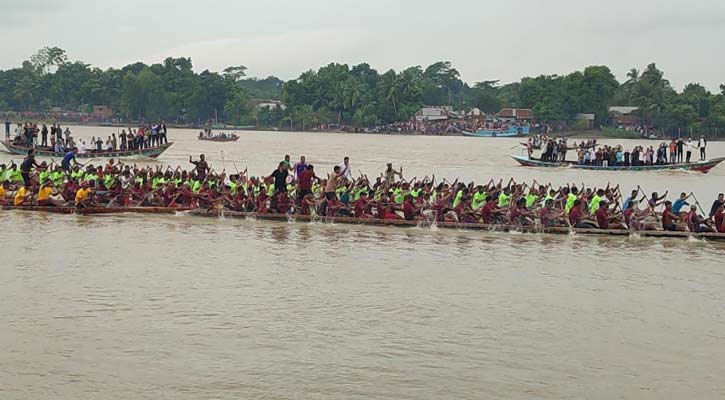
(389, 196)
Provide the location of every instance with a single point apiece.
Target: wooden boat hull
(39, 152)
(702, 166)
(451, 225)
(361, 221)
(222, 140)
(98, 210)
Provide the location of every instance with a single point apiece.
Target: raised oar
(698, 204)
(221, 154)
(651, 208)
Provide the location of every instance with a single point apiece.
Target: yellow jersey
(20, 196)
(3, 193)
(44, 193)
(82, 194)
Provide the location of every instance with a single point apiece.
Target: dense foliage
(340, 94)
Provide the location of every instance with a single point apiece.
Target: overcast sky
(484, 39)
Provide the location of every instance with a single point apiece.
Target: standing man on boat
(7, 129)
(69, 156)
(201, 167)
(280, 178)
(163, 132)
(26, 167)
(67, 136)
(347, 171)
(300, 166)
(702, 144)
(688, 147)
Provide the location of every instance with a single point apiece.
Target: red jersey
(360, 206)
(575, 216)
(305, 179)
(487, 212)
(602, 218)
(408, 210)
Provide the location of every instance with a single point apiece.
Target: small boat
(511, 131)
(227, 138)
(98, 210)
(451, 225)
(233, 127)
(700, 166)
(151, 152)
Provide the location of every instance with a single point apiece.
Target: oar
(698, 204)
(651, 208)
(221, 154)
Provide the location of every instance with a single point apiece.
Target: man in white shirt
(701, 144)
(347, 170)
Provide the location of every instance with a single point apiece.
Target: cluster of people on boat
(207, 133)
(59, 140)
(298, 189)
(554, 150)
(30, 134)
(676, 152)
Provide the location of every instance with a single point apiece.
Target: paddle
(221, 154)
(698, 204)
(651, 208)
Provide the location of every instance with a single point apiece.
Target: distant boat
(150, 152)
(701, 166)
(227, 138)
(511, 131)
(232, 127)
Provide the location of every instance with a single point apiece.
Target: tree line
(347, 95)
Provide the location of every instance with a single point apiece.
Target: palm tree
(352, 93)
(390, 88)
(633, 76)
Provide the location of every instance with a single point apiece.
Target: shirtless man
(669, 219)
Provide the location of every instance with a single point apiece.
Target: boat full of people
(217, 137)
(294, 192)
(146, 141)
(673, 156)
(504, 131)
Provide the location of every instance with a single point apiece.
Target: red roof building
(517, 113)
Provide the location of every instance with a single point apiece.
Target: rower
(604, 220)
(4, 188)
(22, 196)
(669, 218)
(696, 223)
(83, 196)
(681, 202)
(549, 216)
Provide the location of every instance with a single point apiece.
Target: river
(149, 307)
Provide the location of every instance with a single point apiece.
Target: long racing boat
(151, 152)
(214, 213)
(97, 210)
(700, 166)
